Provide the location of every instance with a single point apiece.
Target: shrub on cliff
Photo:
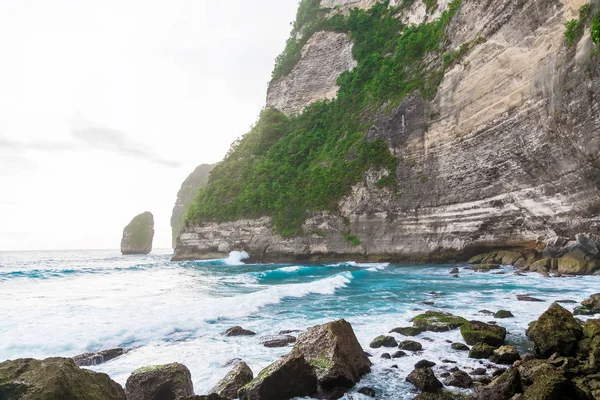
(596, 30)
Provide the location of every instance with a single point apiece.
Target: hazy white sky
(106, 106)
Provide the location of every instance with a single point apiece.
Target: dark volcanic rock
(436, 321)
(479, 371)
(367, 391)
(424, 364)
(399, 354)
(410, 345)
(503, 314)
(238, 331)
(289, 377)
(459, 379)
(555, 331)
(138, 235)
(525, 297)
(159, 382)
(386, 356)
(460, 347)
(54, 379)
(89, 359)
(278, 341)
(408, 331)
(424, 379)
(383, 341)
(238, 377)
(479, 332)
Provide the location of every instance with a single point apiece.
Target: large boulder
(505, 355)
(138, 235)
(502, 388)
(408, 331)
(435, 321)
(334, 351)
(89, 359)
(54, 378)
(459, 379)
(479, 332)
(481, 351)
(238, 377)
(591, 329)
(574, 263)
(424, 379)
(555, 331)
(287, 378)
(383, 341)
(592, 303)
(159, 382)
(550, 383)
(238, 331)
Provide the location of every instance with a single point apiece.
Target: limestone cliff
(505, 154)
(185, 196)
(138, 235)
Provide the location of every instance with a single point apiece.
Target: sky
(107, 106)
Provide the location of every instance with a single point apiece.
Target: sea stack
(138, 235)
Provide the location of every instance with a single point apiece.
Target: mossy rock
(484, 267)
(408, 331)
(410, 345)
(505, 355)
(138, 235)
(503, 314)
(158, 382)
(383, 341)
(239, 376)
(481, 351)
(555, 331)
(478, 258)
(551, 383)
(459, 347)
(592, 303)
(582, 310)
(591, 329)
(475, 332)
(507, 257)
(54, 378)
(435, 321)
(594, 354)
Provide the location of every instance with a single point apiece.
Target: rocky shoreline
(327, 360)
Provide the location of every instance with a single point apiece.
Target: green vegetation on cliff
(286, 166)
(574, 28)
(596, 30)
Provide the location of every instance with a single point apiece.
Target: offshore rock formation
(138, 235)
(185, 196)
(506, 155)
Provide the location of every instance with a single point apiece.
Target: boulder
(481, 351)
(551, 383)
(508, 257)
(89, 359)
(454, 271)
(367, 391)
(524, 297)
(383, 341)
(238, 331)
(278, 341)
(484, 267)
(479, 371)
(504, 387)
(573, 263)
(591, 328)
(138, 235)
(159, 382)
(287, 378)
(424, 379)
(238, 377)
(588, 243)
(503, 314)
(592, 303)
(582, 310)
(505, 355)
(410, 345)
(334, 351)
(475, 332)
(459, 379)
(460, 347)
(386, 356)
(54, 378)
(555, 331)
(435, 321)
(424, 364)
(408, 331)
(399, 354)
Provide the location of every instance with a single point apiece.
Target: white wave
(289, 269)
(236, 258)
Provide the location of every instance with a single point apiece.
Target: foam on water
(67, 303)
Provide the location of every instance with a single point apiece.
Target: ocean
(64, 303)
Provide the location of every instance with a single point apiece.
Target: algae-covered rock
(479, 332)
(54, 378)
(550, 383)
(158, 382)
(435, 321)
(238, 331)
(138, 235)
(555, 331)
(408, 331)
(507, 257)
(424, 379)
(573, 263)
(591, 328)
(481, 351)
(502, 388)
(89, 359)
(334, 351)
(505, 355)
(287, 378)
(459, 347)
(503, 314)
(592, 303)
(238, 377)
(459, 379)
(484, 267)
(443, 395)
(383, 341)
(410, 345)
(582, 310)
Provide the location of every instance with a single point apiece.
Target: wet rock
(505, 355)
(479, 371)
(503, 314)
(278, 341)
(238, 331)
(232, 362)
(576, 262)
(424, 364)
(333, 350)
(524, 297)
(399, 354)
(552, 383)
(475, 332)
(386, 356)
(89, 359)
(460, 347)
(410, 345)
(485, 312)
(238, 377)
(408, 331)
(138, 235)
(502, 388)
(459, 379)
(367, 391)
(435, 396)
(289, 377)
(435, 321)
(484, 267)
(54, 378)
(498, 372)
(591, 328)
(428, 303)
(581, 310)
(288, 331)
(383, 341)
(424, 379)
(592, 303)
(455, 276)
(566, 301)
(446, 361)
(555, 331)
(454, 271)
(159, 382)
(481, 351)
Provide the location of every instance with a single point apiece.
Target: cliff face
(185, 197)
(507, 153)
(138, 235)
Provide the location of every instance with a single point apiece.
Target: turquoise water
(67, 303)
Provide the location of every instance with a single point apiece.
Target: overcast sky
(106, 107)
